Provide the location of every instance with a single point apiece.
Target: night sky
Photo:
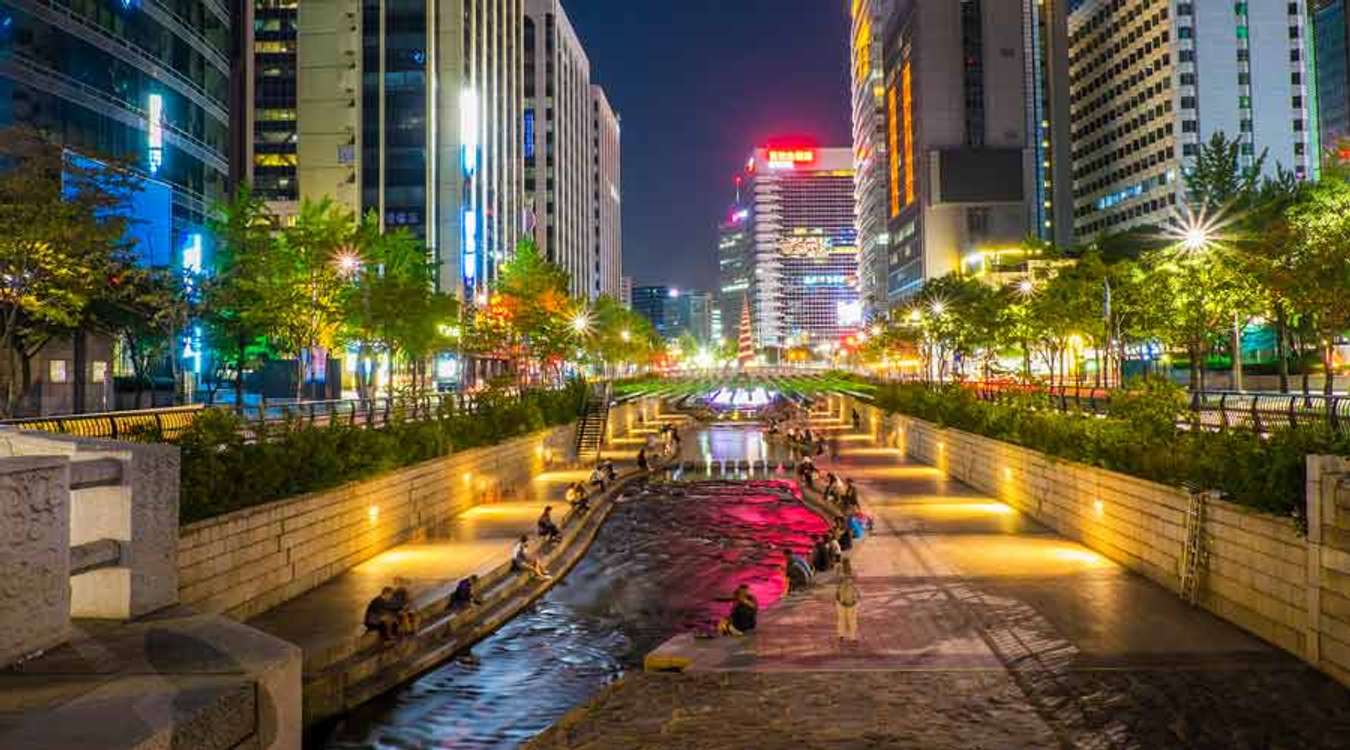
(698, 84)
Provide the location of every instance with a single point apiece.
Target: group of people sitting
(392, 614)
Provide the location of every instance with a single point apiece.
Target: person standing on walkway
(846, 600)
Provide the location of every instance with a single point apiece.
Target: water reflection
(666, 562)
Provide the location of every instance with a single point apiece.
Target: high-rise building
(1152, 81)
(413, 110)
(558, 122)
(272, 148)
(971, 140)
(1331, 22)
(140, 82)
(869, 18)
(803, 280)
(658, 304)
(606, 198)
(626, 291)
(735, 253)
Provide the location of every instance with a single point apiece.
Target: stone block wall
(246, 562)
(34, 555)
(1260, 572)
(1329, 553)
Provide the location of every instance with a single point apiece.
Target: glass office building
(148, 83)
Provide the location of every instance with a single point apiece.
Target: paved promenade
(979, 629)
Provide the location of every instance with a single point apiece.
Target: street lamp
(1026, 287)
(348, 262)
(581, 323)
(939, 307)
(625, 335)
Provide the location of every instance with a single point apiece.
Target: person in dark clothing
(547, 528)
(744, 613)
(850, 497)
(642, 459)
(857, 420)
(382, 614)
(844, 534)
(831, 491)
(820, 554)
(465, 594)
(576, 497)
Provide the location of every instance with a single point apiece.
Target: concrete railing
(1255, 570)
(90, 531)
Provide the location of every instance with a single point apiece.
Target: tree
(531, 299)
(230, 293)
(1217, 181)
(301, 283)
(148, 310)
(1320, 232)
(62, 229)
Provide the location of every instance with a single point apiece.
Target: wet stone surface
(666, 562)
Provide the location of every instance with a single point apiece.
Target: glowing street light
(625, 335)
(348, 262)
(581, 323)
(1025, 288)
(1195, 238)
(938, 307)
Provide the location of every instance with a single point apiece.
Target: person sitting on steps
(465, 594)
(522, 561)
(548, 530)
(577, 498)
(642, 459)
(744, 614)
(598, 478)
(382, 614)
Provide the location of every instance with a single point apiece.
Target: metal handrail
(1259, 411)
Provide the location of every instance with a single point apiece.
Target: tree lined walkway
(979, 628)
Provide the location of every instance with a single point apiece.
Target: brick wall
(249, 561)
(1261, 573)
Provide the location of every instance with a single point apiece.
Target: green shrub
(1142, 434)
(222, 472)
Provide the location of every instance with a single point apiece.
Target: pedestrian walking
(846, 600)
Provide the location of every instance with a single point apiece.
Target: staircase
(591, 427)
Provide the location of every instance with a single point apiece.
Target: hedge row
(1144, 434)
(222, 473)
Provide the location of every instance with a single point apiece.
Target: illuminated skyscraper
(1152, 81)
(413, 110)
(606, 198)
(803, 261)
(1332, 25)
(735, 251)
(272, 143)
(869, 18)
(976, 158)
(134, 81)
(560, 130)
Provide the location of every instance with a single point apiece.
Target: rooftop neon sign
(789, 158)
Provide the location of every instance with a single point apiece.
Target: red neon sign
(792, 156)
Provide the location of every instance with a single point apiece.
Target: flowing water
(666, 562)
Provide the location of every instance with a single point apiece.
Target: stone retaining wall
(246, 562)
(1260, 572)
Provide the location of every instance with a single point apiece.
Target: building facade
(412, 109)
(606, 197)
(803, 279)
(965, 105)
(626, 291)
(558, 124)
(133, 81)
(271, 120)
(1151, 81)
(868, 20)
(1331, 22)
(735, 254)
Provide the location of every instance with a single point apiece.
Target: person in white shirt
(523, 561)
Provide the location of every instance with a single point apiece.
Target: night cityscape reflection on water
(666, 562)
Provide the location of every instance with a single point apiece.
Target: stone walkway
(475, 541)
(980, 629)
